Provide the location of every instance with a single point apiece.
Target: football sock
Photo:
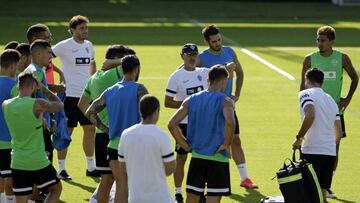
(2, 197)
(61, 163)
(90, 165)
(242, 171)
(178, 190)
(10, 199)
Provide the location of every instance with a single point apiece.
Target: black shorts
(48, 144)
(5, 160)
(237, 127)
(23, 181)
(112, 154)
(73, 113)
(178, 148)
(323, 166)
(101, 142)
(342, 124)
(215, 174)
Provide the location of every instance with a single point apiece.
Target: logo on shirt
(334, 62)
(193, 90)
(82, 60)
(74, 51)
(304, 96)
(199, 78)
(185, 81)
(330, 75)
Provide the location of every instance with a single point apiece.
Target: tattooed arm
(52, 105)
(42, 105)
(49, 95)
(84, 103)
(91, 113)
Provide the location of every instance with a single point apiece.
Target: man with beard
(226, 56)
(78, 62)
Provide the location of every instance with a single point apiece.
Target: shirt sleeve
(304, 99)
(87, 92)
(232, 53)
(171, 88)
(57, 50)
(39, 75)
(337, 117)
(14, 91)
(121, 150)
(92, 51)
(166, 149)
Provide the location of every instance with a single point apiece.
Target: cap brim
(191, 52)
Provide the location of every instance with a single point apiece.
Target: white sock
(61, 163)
(90, 165)
(2, 197)
(30, 201)
(178, 190)
(242, 171)
(10, 198)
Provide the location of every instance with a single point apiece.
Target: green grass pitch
(281, 33)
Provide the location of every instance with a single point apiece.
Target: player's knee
(56, 189)
(107, 180)
(9, 188)
(181, 159)
(8, 183)
(89, 130)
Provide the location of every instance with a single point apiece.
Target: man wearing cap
(182, 83)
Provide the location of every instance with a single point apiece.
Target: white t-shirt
(320, 138)
(144, 149)
(75, 60)
(183, 83)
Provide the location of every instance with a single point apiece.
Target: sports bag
(298, 182)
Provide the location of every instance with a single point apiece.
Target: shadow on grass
(175, 34)
(250, 196)
(86, 200)
(82, 186)
(95, 179)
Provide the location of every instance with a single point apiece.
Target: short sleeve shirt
(75, 60)
(183, 83)
(145, 149)
(320, 138)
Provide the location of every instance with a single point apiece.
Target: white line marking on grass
(250, 53)
(268, 64)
